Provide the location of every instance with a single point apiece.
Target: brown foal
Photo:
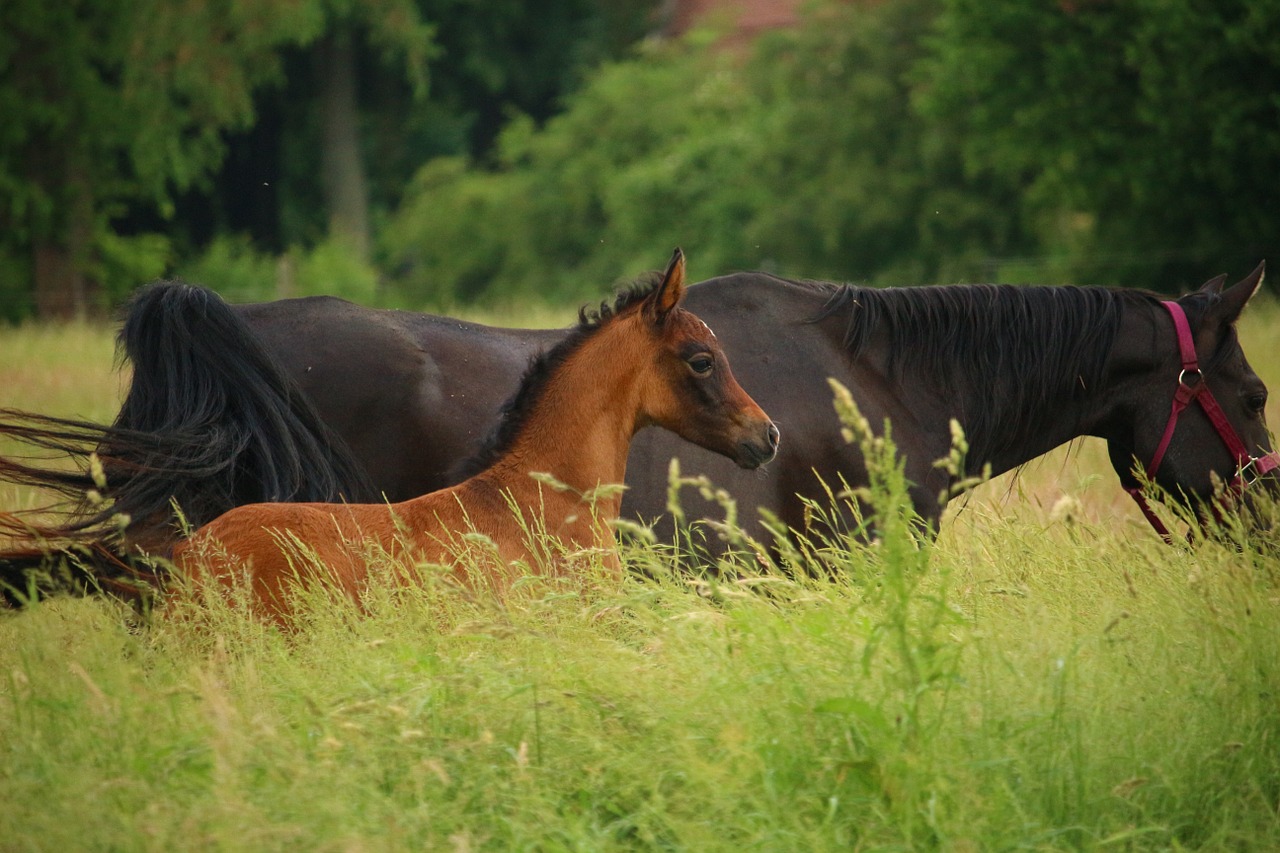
(642, 361)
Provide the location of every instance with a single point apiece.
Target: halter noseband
(1191, 386)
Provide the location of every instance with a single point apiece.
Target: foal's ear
(667, 295)
(1235, 297)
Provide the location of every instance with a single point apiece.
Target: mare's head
(1196, 406)
(686, 385)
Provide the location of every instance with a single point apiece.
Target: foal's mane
(1015, 349)
(517, 410)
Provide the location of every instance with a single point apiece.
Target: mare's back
(411, 393)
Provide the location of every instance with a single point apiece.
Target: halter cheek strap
(1192, 387)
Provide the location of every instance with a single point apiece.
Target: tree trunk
(345, 187)
(62, 289)
(59, 286)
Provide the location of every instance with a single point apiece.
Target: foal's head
(686, 385)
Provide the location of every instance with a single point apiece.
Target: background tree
(429, 151)
(804, 155)
(485, 64)
(112, 102)
(920, 140)
(1144, 131)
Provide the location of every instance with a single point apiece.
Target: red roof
(746, 18)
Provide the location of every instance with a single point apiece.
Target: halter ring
(1194, 372)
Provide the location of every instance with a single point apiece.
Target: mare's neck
(1016, 407)
(1008, 451)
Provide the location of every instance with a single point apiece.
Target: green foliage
(895, 142)
(108, 104)
(130, 98)
(920, 140)
(1137, 127)
(333, 269)
(15, 295)
(803, 156)
(231, 266)
(484, 64)
(852, 183)
(241, 273)
(112, 107)
(118, 117)
(124, 261)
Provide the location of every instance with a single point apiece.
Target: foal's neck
(579, 428)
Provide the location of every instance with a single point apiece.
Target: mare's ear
(1235, 297)
(1213, 285)
(667, 295)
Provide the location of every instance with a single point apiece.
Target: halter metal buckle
(1189, 378)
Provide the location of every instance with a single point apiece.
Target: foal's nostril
(772, 436)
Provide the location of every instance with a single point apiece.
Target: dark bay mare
(319, 399)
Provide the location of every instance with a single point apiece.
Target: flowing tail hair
(211, 421)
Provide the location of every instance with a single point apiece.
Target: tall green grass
(1043, 675)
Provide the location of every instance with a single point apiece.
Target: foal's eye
(701, 364)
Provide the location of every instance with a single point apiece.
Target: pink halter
(1191, 386)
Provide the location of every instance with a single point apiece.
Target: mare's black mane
(517, 410)
(1012, 349)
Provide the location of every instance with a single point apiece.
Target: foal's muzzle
(760, 449)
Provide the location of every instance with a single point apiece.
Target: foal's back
(274, 545)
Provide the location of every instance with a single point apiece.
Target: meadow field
(1047, 674)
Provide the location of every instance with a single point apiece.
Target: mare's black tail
(39, 562)
(211, 421)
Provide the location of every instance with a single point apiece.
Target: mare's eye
(701, 364)
(1256, 402)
